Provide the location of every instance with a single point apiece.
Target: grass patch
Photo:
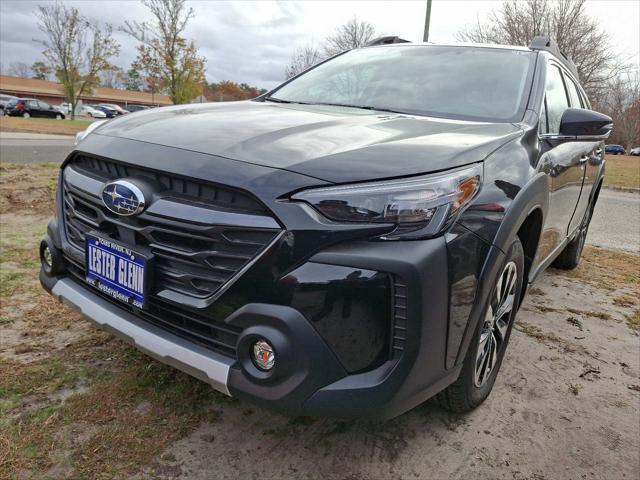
(625, 301)
(536, 291)
(606, 269)
(590, 313)
(10, 280)
(545, 309)
(633, 320)
(533, 331)
(622, 171)
(134, 413)
(27, 188)
(43, 125)
(575, 322)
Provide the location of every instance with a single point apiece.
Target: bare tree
(302, 59)
(622, 102)
(19, 69)
(113, 77)
(76, 47)
(164, 54)
(40, 70)
(353, 34)
(578, 35)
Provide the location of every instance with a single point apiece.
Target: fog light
(47, 258)
(263, 356)
(51, 258)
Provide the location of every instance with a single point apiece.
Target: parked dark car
(119, 110)
(31, 107)
(109, 112)
(136, 108)
(351, 243)
(4, 99)
(614, 149)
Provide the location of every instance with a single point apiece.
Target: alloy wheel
(496, 324)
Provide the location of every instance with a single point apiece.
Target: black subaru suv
(353, 242)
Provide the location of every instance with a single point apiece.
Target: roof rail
(387, 41)
(549, 45)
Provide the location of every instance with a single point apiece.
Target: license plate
(116, 270)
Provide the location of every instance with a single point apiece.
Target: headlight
(427, 204)
(83, 134)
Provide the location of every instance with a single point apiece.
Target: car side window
(556, 96)
(573, 93)
(44, 105)
(32, 104)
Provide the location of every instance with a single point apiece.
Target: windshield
(486, 84)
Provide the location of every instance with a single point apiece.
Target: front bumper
(310, 379)
(199, 362)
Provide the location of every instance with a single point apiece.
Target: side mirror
(579, 124)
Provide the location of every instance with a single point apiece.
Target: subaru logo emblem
(123, 197)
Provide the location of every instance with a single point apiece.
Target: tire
(58, 117)
(570, 257)
(489, 344)
(26, 115)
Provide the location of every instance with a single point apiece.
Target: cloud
(251, 42)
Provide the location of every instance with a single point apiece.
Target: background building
(52, 93)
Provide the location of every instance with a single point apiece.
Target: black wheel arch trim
(533, 196)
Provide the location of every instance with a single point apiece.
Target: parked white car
(92, 112)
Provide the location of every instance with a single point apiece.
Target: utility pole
(427, 20)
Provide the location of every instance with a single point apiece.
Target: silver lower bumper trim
(199, 362)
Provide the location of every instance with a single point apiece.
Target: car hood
(334, 144)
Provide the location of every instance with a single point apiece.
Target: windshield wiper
(361, 107)
(346, 105)
(279, 100)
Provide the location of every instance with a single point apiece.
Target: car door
(45, 109)
(563, 161)
(591, 161)
(33, 108)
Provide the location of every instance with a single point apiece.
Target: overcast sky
(251, 41)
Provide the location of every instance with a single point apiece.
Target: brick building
(52, 93)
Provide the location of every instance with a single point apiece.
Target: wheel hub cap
(496, 324)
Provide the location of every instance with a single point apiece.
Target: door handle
(583, 159)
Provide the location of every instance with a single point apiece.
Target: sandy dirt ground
(566, 405)
(77, 403)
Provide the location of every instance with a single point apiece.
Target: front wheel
(26, 115)
(58, 117)
(488, 346)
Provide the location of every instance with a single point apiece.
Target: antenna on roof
(549, 45)
(388, 40)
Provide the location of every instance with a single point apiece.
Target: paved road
(34, 148)
(616, 221)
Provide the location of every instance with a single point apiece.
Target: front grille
(189, 259)
(220, 196)
(194, 258)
